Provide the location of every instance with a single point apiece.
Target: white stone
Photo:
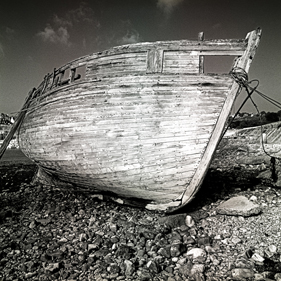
(52, 267)
(210, 249)
(238, 206)
(119, 201)
(197, 268)
(32, 224)
(113, 227)
(218, 237)
(30, 274)
(99, 196)
(253, 198)
(189, 221)
(225, 241)
(92, 246)
(129, 267)
(235, 240)
(257, 258)
(100, 233)
(272, 249)
(92, 221)
(197, 253)
(82, 237)
(182, 261)
(63, 240)
(242, 273)
(258, 277)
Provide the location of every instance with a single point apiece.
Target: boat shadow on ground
(221, 185)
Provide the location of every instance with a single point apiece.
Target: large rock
(197, 255)
(173, 221)
(238, 206)
(242, 273)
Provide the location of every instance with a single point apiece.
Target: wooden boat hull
(142, 122)
(250, 146)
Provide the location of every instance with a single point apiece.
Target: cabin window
(78, 73)
(57, 78)
(65, 77)
(218, 64)
(69, 75)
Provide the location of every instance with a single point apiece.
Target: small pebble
(257, 258)
(189, 221)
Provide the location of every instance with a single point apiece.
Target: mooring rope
(241, 77)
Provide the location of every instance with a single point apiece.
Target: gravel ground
(53, 234)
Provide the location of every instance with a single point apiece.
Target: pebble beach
(48, 233)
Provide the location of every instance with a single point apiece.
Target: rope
(271, 100)
(241, 77)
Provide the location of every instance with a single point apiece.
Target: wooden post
(17, 124)
(201, 58)
(243, 62)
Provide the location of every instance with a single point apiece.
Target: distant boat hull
(143, 121)
(250, 146)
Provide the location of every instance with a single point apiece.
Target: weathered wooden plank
(146, 173)
(154, 61)
(150, 147)
(133, 172)
(185, 45)
(147, 121)
(143, 96)
(120, 56)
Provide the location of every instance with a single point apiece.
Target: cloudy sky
(37, 36)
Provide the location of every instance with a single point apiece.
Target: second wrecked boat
(138, 121)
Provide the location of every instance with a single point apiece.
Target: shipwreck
(139, 121)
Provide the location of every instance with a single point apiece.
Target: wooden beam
(201, 58)
(244, 62)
